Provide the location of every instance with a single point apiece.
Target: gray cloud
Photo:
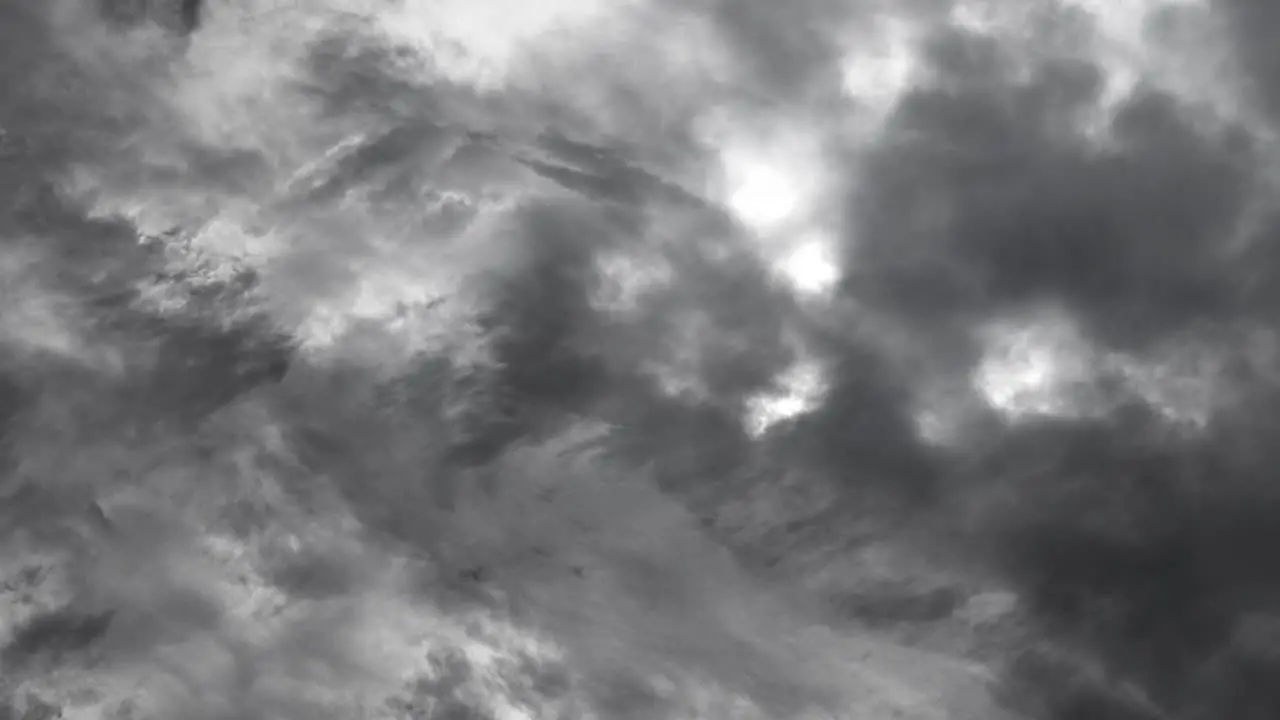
(981, 200)
(1249, 23)
(989, 191)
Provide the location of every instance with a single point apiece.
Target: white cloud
(799, 390)
(881, 65)
(771, 173)
(485, 43)
(1031, 366)
(762, 195)
(811, 268)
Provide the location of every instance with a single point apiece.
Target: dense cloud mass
(648, 359)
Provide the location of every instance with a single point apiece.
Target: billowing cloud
(397, 255)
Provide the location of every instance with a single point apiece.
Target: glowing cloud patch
(769, 178)
(799, 390)
(1032, 368)
(811, 269)
(764, 196)
(484, 43)
(881, 65)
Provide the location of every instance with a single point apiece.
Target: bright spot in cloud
(768, 178)
(799, 390)
(763, 196)
(811, 269)
(1022, 380)
(485, 42)
(1032, 368)
(1046, 367)
(880, 66)
(1191, 66)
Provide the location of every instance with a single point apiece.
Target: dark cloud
(1144, 548)
(988, 197)
(863, 431)
(540, 325)
(178, 16)
(1250, 24)
(605, 174)
(57, 632)
(717, 324)
(1001, 185)
(787, 51)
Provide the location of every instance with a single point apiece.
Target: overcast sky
(893, 223)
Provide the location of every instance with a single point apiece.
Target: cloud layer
(391, 247)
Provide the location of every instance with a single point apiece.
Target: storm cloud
(386, 266)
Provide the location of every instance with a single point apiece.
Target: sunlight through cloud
(769, 178)
(764, 196)
(1031, 367)
(811, 269)
(799, 390)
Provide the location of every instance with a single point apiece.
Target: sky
(863, 239)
